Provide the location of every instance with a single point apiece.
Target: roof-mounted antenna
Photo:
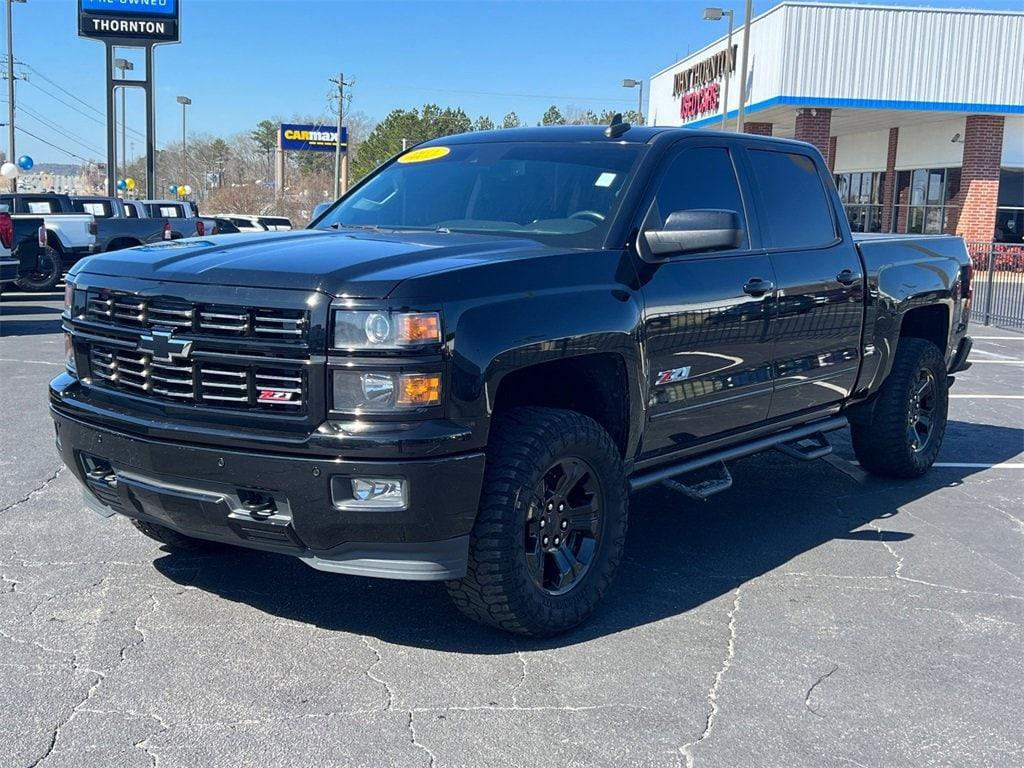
(616, 127)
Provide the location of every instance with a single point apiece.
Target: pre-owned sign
(315, 138)
(130, 22)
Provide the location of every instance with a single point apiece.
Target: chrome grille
(281, 325)
(217, 384)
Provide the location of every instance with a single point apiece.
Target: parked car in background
(225, 226)
(250, 223)
(70, 234)
(9, 264)
(180, 209)
(119, 225)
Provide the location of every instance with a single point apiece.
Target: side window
(796, 208)
(703, 177)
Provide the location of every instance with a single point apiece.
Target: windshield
(561, 194)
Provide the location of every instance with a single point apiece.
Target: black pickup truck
(464, 367)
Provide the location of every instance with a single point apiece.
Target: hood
(342, 263)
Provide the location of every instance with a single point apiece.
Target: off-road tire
(498, 589)
(178, 542)
(882, 444)
(50, 272)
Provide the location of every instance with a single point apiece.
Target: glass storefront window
(922, 201)
(861, 195)
(1010, 206)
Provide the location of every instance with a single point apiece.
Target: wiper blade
(370, 227)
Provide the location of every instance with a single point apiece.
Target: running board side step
(806, 448)
(702, 489)
(654, 476)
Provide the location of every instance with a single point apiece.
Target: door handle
(846, 277)
(755, 286)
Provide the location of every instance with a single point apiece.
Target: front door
(820, 305)
(707, 315)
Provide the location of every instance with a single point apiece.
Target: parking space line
(992, 354)
(998, 362)
(999, 338)
(979, 465)
(986, 397)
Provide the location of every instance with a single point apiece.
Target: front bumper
(282, 503)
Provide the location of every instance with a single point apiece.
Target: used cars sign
(315, 138)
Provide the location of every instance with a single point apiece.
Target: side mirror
(696, 230)
(319, 208)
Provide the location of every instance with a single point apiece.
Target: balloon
(188, 190)
(181, 190)
(9, 171)
(122, 184)
(25, 163)
(130, 183)
(173, 189)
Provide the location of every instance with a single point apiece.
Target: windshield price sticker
(423, 155)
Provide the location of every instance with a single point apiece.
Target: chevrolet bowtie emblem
(162, 346)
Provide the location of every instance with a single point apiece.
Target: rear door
(707, 315)
(820, 304)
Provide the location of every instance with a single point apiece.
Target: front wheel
(551, 527)
(46, 274)
(905, 431)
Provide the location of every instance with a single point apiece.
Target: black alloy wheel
(563, 526)
(921, 410)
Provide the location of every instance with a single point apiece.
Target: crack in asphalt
(416, 743)
(94, 686)
(34, 491)
(520, 681)
(730, 652)
(389, 694)
(815, 684)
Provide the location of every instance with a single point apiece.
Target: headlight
(69, 295)
(360, 329)
(383, 392)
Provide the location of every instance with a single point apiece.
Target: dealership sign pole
(130, 24)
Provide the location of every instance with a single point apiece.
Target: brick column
(890, 179)
(758, 129)
(815, 129)
(979, 179)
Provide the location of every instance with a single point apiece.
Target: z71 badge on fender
(672, 376)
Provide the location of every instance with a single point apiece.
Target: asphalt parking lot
(811, 616)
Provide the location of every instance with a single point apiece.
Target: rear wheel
(47, 272)
(174, 540)
(904, 434)
(551, 526)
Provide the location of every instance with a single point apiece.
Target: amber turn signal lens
(418, 389)
(419, 328)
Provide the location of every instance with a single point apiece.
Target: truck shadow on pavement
(679, 555)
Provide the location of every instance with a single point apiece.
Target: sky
(242, 61)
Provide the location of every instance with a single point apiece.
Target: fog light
(378, 493)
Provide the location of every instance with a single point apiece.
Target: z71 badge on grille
(672, 376)
(277, 395)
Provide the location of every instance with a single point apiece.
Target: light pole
(184, 101)
(340, 170)
(10, 89)
(743, 70)
(630, 83)
(125, 66)
(716, 14)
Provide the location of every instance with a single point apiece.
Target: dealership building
(919, 112)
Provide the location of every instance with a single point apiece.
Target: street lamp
(184, 101)
(716, 14)
(125, 66)
(630, 83)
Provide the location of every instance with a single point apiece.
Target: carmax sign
(311, 138)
